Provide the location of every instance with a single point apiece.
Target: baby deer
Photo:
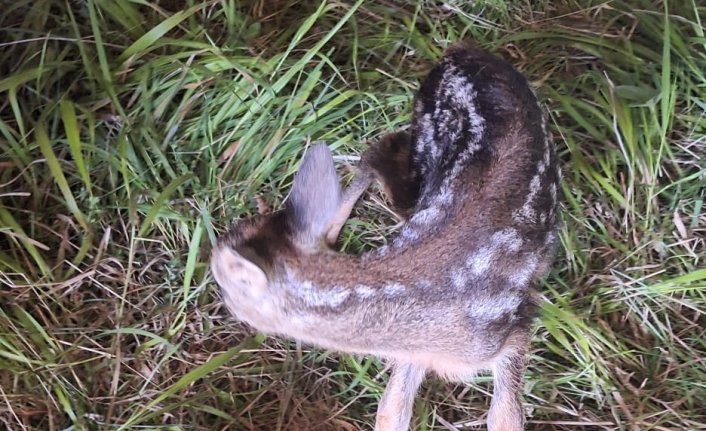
(476, 178)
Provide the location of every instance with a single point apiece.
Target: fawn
(476, 178)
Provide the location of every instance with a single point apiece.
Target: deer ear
(315, 197)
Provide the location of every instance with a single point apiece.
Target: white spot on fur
(543, 117)
(426, 143)
(541, 167)
(551, 236)
(546, 158)
(509, 238)
(409, 234)
(444, 196)
(494, 307)
(393, 289)
(484, 309)
(456, 90)
(363, 291)
(438, 130)
(521, 277)
(534, 185)
(506, 240)
(459, 279)
(523, 215)
(321, 297)
(426, 216)
(547, 153)
(456, 86)
(528, 212)
(479, 262)
(448, 125)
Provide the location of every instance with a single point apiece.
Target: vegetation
(132, 132)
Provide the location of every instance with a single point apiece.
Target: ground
(132, 133)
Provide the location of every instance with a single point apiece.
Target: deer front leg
(395, 408)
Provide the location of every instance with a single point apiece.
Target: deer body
(477, 179)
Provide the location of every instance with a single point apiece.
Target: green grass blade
(57, 172)
(9, 221)
(68, 116)
(155, 33)
(189, 378)
(18, 79)
(160, 201)
(299, 65)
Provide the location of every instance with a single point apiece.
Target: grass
(131, 133)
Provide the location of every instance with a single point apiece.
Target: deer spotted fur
(476, 177)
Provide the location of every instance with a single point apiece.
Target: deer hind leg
(506, 407)
(391, 160)
(395, 408)
(362, 179)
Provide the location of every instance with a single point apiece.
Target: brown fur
(477, 180)
(391, 160)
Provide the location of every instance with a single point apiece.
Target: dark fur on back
(498, 134)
